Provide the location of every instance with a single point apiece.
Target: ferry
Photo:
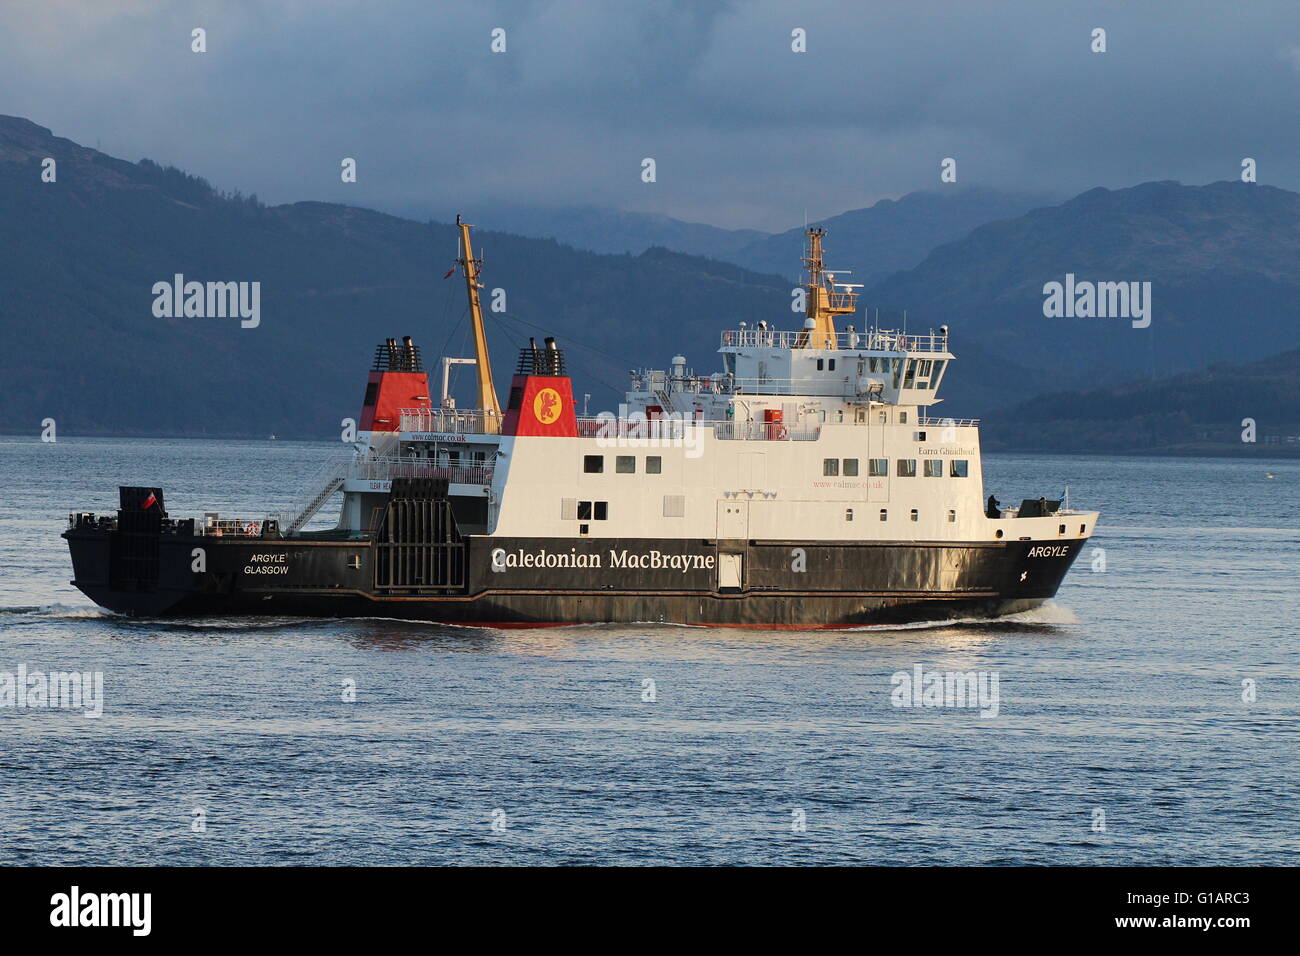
(807, 484)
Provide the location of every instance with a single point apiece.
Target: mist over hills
(79, 258)
(891, 235)
(874, 242)
(597, 229)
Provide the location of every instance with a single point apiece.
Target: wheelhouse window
(906, 468)
(830, 467)
(937, 373)
(909, 378)
(593, 464)
(878, 467)
(958, 468)
(923, 373)
(934, 467)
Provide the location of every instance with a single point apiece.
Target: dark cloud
(744, 131)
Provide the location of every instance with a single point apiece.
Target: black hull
(489, 581)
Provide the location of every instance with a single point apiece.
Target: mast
(487, 393)
(824, 301)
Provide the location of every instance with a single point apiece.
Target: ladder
(313, 506)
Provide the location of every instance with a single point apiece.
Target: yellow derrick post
(487, 393)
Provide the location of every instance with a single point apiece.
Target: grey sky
(745, 132)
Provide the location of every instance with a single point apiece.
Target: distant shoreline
(1283, 453)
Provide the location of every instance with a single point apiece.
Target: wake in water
(1046, 617)
(59, 611)
(1043, 617)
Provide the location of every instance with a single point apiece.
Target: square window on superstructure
(878, 467)
(958, 468)
(654, 464)
(851, 467)
(602, 510)
(625, 464)
(934, 467)
(584, 510)
(593, 464)
(902, 418)
(819, 365)
(830, 363)
(830, 467)
(906, 468)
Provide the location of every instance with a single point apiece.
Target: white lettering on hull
(1049, 551)
(267, 564)
(503, 560)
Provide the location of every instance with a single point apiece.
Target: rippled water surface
(1125, 697)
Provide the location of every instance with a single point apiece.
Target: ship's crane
(487, 393)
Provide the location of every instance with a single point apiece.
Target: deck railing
(388, 468)
(871, 340)
(452, 421)
(670, 429)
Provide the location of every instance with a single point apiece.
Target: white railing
(607, 426)
(797, 386)
(669, 429)
(877, 340)
(451, 421)
(386, 469)
(948, 422)
(231, 528)
(765, 431)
